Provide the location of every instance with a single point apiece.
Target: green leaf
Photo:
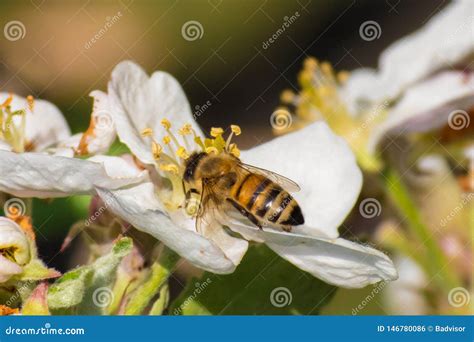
(69, 290)
(263, 284)
(36, 270)
(160, 270)
(98, 295)
(162, 302)
(85, 287)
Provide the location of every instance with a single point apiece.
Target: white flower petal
(12, 236)
(43, 176)
(445, 41)
(138, 102)
(45, 125)
(358, 92)
(5, 146)
(140, 207)
(233, 248)
(427, 105)
(70, 143)
(117, 167)
(339, 262)
(101, 133)
(8, 269)
(324, 167)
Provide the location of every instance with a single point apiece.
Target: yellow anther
(156, 149)
(216, 131)
(212, 149)
(182, 153)
(287, 96)
(326, 68)
(234, 150)
(31, 102)
(186, 129)
(235, 129)
(166, 139)
(199, 142)
(324, 91)
(147, 132)
(310, 63)
(343, 76)
(173, 168)
(166, 123)
(305, 76)
(8, 101)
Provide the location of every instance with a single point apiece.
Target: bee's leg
(244, 212)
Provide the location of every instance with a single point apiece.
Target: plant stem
(439, 268)
(160, 271)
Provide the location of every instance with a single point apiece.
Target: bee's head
(191, 164)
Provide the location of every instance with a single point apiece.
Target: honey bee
(260, 195)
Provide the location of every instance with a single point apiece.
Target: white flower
(14, 249)
(30, 125)
(428, 105)
(426, 74)
(314, 157)
(100, 135)
(34, 158)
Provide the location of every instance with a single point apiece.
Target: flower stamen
(31, 102)
(235, 130)
(216, 131)
(173, 162)
(182, 153)
(11, 130)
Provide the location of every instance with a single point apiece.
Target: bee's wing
(284, 182)
(209, 208)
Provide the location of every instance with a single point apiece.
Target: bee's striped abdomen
(267, 201)
(248, 189)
